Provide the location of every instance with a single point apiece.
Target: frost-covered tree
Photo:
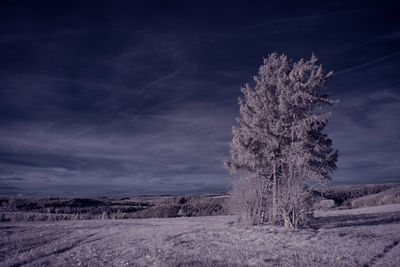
(280, 138)
(245, 198)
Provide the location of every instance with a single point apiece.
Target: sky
(102, 98)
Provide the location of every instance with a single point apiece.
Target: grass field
(356, 237)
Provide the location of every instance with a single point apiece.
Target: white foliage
(279, 137)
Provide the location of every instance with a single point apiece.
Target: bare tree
(294, 203)
(280, 137)
(245, 199)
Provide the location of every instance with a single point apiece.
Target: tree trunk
(262, 209)
(274, 197)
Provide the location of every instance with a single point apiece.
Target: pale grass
(202, 241)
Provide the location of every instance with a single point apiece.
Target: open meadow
(352, 237)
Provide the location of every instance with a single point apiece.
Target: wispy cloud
(128, 106)
(69, 139)
(141, 90)
(364, 129)
(366, 64)
(290, 20)
(391, 36)
(174, 148)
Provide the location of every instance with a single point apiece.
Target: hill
(54, 209)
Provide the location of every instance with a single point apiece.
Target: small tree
(246, 195)
(279, 137)
(293, 200)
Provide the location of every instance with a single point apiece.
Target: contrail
(366, 64)
(288, 20)
(156, 81)
(160, 105)
(164, 133)
(69, 138)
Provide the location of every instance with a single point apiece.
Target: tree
(280, 139)
(245, 198)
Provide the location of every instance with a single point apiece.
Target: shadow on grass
(355, 220)
(199, 263)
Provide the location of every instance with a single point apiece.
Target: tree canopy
(280, 129)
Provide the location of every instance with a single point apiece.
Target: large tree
(280, 138)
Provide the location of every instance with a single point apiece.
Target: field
(356, 237)
(352, 226)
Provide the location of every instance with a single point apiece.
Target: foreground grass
(362, 237)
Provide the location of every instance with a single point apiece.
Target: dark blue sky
(113, 97)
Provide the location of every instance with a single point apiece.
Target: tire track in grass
(76, 243)
(29, 241)
(386, 250)
(172, 237)
(42, 255)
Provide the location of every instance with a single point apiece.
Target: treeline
(70, 206)
(55, 209)
(345, 194)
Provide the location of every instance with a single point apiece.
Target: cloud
(365, 131)
(291, 20)
(119, 105)
(168, 153)
(366, 64)
(395, 35)
(11, 179)
(156, 81)
(69, 138)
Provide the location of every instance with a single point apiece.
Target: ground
(357, 237)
